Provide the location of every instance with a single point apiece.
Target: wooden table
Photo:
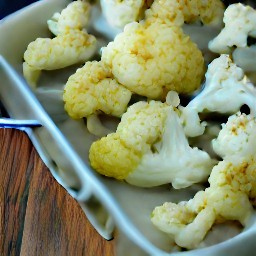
(37, 216)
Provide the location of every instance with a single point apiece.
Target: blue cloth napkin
(10, 6)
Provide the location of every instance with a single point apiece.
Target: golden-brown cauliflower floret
(75, 16)
(93, 88)
(179, 11)
(151, 59)
(119, 153)
(111, 157)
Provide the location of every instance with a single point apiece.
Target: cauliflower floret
(240, 176)
(92, 88)
(175, 161)
(190, 15)
(152, 59)
(111, 157)
(215, 205)
(160, 152)
(240, 22)
(146, 121)
(142, 124)
(231, 193)
(62, 51)
(75, 16)
(179, 11)
(72, 44)
(119, 13)
(236, 138)
(236, 144)
(66, 49)
(224, 80)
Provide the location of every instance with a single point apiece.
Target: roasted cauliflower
(71, 45)
(240, 23)
(152, 59)
(149, 148)
(119, 13)
(75, 16)
(225, 82)
(231, 192)
(93, 88)
(180, 12)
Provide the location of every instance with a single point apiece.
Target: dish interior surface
(136, 204)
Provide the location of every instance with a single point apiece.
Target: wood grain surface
(37, 216)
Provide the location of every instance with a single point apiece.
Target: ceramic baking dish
(63, 145)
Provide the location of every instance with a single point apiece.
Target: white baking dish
(63, 145)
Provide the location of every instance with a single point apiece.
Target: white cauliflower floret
(179, 12)
(175, 161)
(152, 59)
(236, 139)
(75, 16)
(240, 22)
(231, 193)
(119, 13)
(91, 89)
(224, 81)
(149, 149)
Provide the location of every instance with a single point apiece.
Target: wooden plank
(37, 215)
(15, 171)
